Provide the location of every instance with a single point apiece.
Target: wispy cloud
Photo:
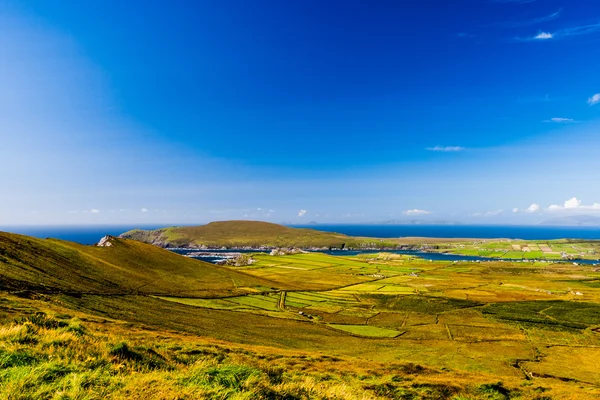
(527, 22)
(539, 20)
(446, 148)
(416, 211)
(464, 35)
(91, 211)
(511, 1)
(492, 213)
(144, 210)
(541, 99)
(578, 30)
(265, 212)
(532, 209)
(595, 99)
(301, 213)
(560, 120)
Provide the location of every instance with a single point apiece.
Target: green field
(367, 331)
(530, 249)
(135, 321)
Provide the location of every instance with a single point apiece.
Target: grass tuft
(42, 320)
(494, 391)
(17, 358)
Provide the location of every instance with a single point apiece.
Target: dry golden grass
(59, 357)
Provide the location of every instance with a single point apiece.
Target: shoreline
(233, 252)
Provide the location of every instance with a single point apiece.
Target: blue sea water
(92, 233)
(463, 231)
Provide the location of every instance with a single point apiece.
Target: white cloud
(515, 210)
(595, 99)
(95, 211)
(572, 203)
(533, 208)
(446, 148)
(561, 120)
(565, 33)
(543, 36)
(301, 213)
(144, 210)
(416, 211)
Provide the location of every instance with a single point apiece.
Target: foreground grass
(45, 357)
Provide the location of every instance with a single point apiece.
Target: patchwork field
(563, 249)
(494, 317)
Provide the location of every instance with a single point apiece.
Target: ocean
(463, 231)
(92, 233)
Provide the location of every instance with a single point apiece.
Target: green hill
(243, 234)
(123, 267)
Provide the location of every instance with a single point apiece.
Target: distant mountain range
(574, 220)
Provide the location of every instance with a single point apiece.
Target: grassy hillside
(125, 267)
(49, 351)
(58, 355)
(248, 233)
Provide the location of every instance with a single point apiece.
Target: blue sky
(479, 111)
